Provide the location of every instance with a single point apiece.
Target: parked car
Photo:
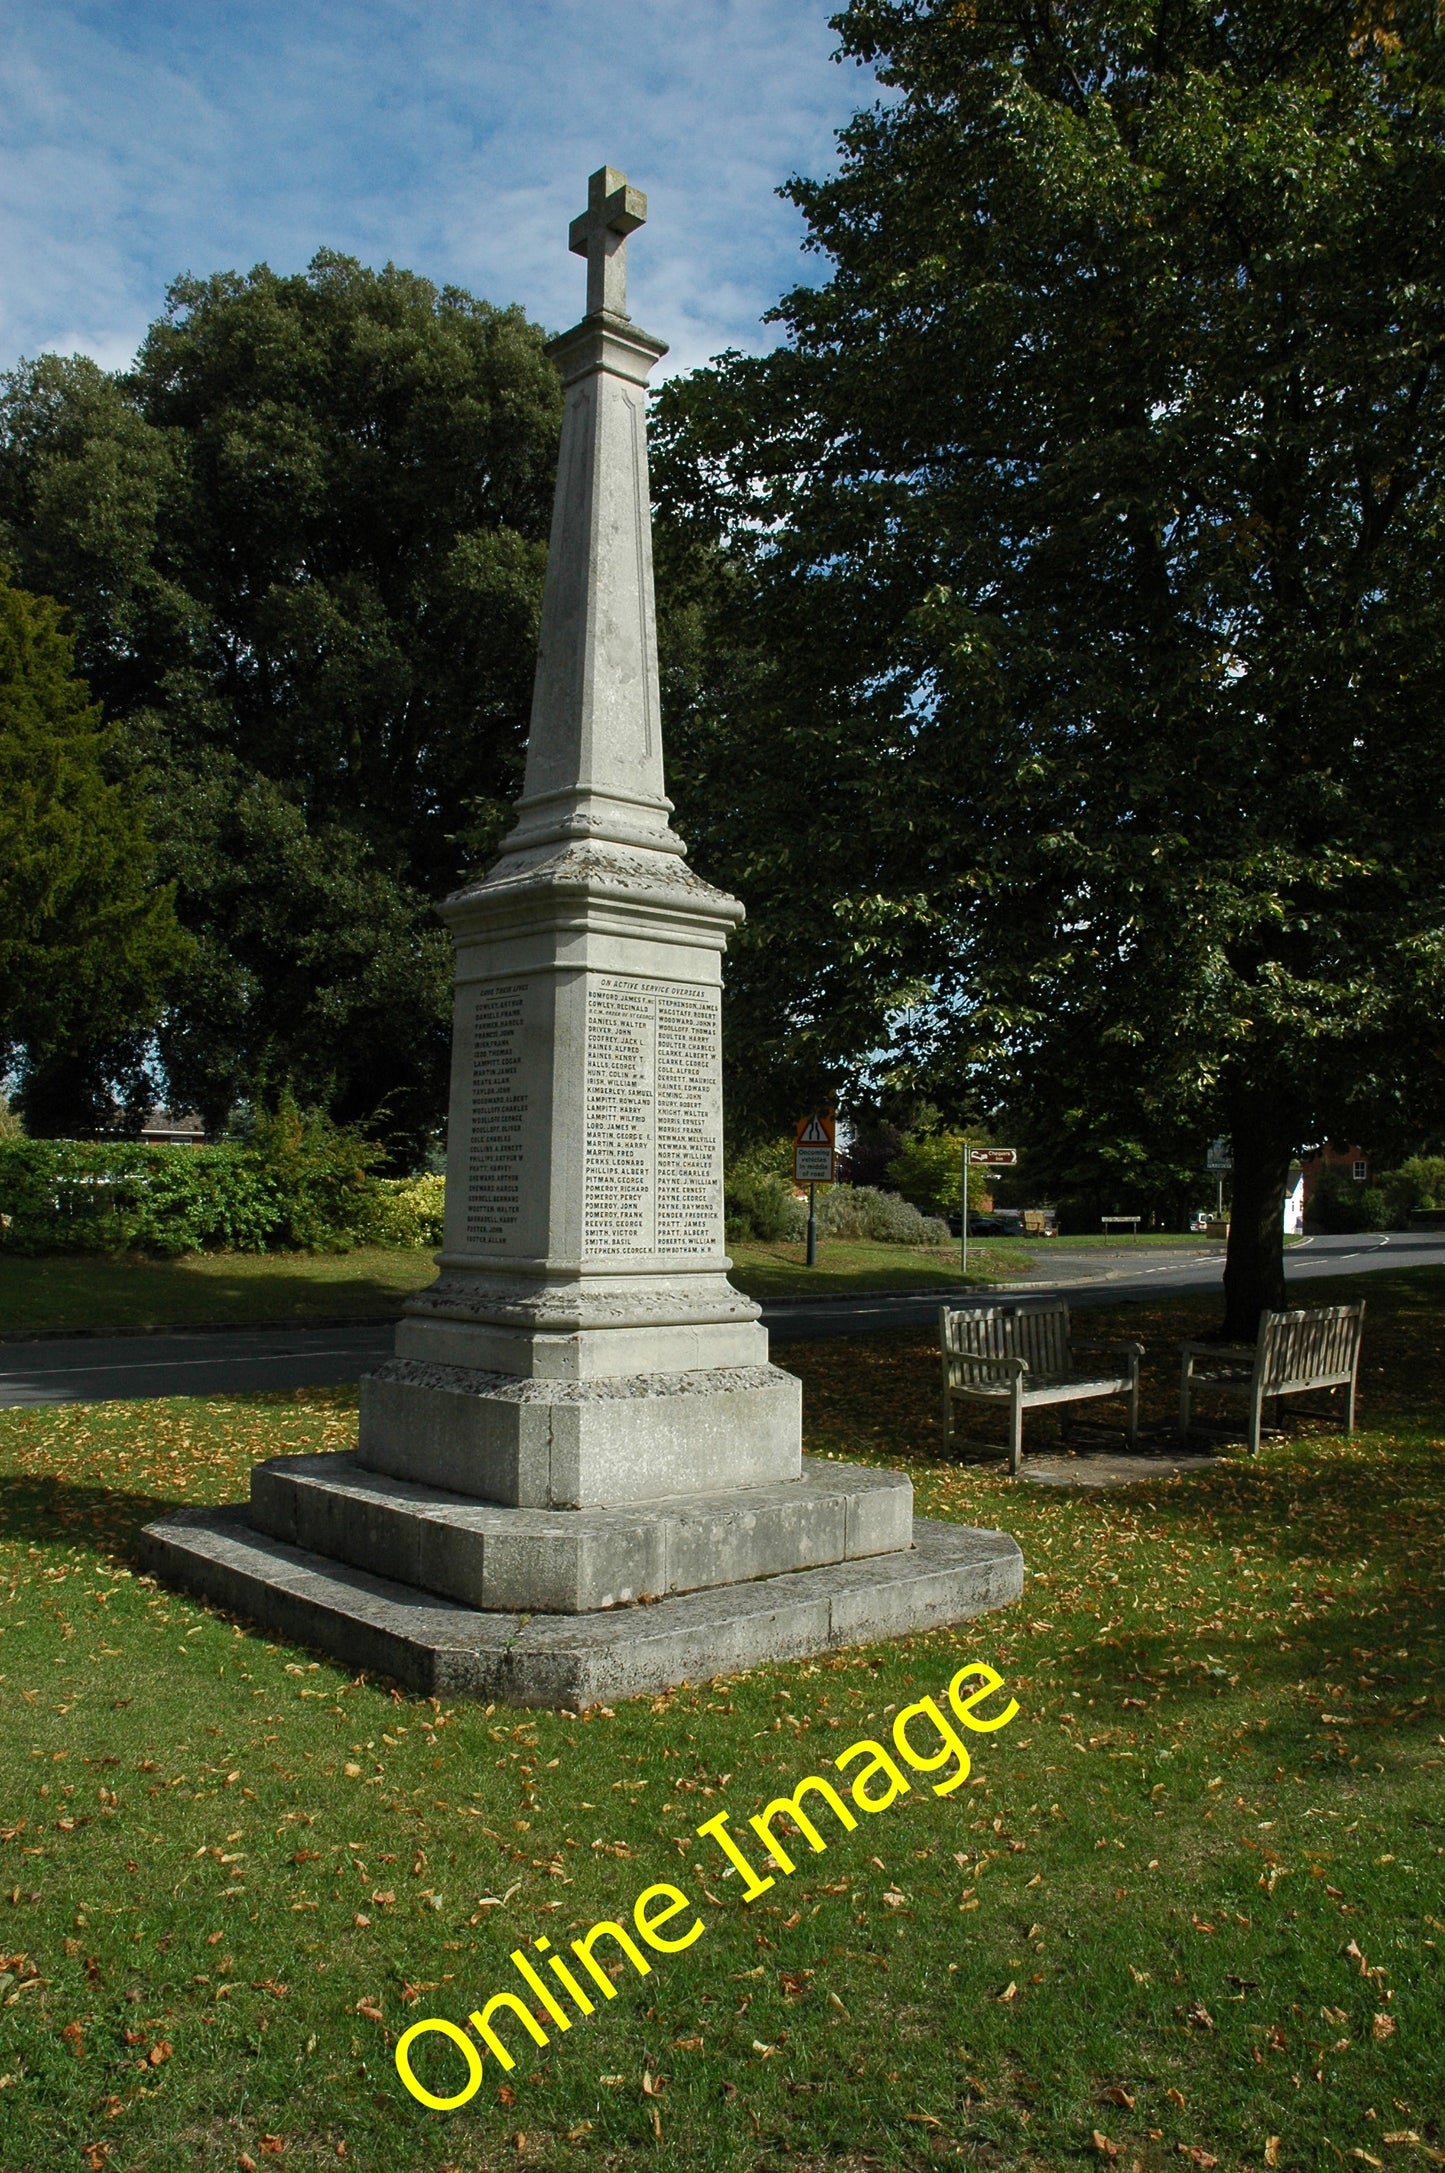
(1008, 1222)
(1003, 1222)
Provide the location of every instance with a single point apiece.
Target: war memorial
(579, 1477)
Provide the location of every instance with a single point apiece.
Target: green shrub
(59, 1195)
(758, 1198)
(407, 1210)
(861, 1211)
(1418, 1183)
(322, 1176)
(928, 1170)
(1340, 1205)
(759, 1205)
(298, 1184)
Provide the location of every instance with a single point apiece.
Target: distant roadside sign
(1219, 1161)
(978, 1158)
(814, 1151)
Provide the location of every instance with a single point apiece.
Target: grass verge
(1190, 1901)
(848, 1265)
(1168, 1240)
(79, 1293)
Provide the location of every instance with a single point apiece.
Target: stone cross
(600, 234)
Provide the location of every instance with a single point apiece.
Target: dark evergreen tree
(88, 937)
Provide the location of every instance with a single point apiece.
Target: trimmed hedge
(297, 1186)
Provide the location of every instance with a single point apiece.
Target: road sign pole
(812, 1226)
(963, 1218)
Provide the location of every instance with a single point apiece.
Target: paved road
(98, 1369)
(194, 1362)
(1105, 1275)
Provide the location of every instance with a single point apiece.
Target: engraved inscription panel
(498, 1118)
(689, 1121)
(620, 1146)
(653, 1157)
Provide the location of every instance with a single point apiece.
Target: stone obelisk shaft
(584, 1235)
(594, 752)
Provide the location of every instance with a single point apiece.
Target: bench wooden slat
(1309, 1348)
(1021, 1355)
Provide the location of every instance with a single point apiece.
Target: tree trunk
(1254, 1262)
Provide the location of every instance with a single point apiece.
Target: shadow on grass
(1344, 1545)
(46, 1511)
(1271, 1583)
(1291, 1678)
(78, 1293)
(882, 1390)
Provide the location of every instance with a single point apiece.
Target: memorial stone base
(580, 1444)
(442, 1647)
(559, 1541)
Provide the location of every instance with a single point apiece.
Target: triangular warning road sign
(815, 1133)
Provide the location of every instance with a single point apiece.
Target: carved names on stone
(620, 1134)
(653, 1120)
(498, 1117)
(689, 1121)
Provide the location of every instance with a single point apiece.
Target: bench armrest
(1000, 1368)
(1125, 1350)
(1236, 1354)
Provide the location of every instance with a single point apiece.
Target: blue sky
(144, 138)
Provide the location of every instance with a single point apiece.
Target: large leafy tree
(88, 937)
(1061, 610)
(302, 543)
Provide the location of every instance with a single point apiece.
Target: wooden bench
(1295, 1353)
(1110, 1222)
(1023, 1357)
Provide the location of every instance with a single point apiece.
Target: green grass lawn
(1170, 1240)
(77, 1292)
(849, 1265)
(1193, 1897)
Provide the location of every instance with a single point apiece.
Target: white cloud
(151, 137)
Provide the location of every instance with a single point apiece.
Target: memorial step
(438, 1648)
(574, 1561)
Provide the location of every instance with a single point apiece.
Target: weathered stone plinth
(578, 1561)
(580, 1476)
(439, 1648)
(581, 1444)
